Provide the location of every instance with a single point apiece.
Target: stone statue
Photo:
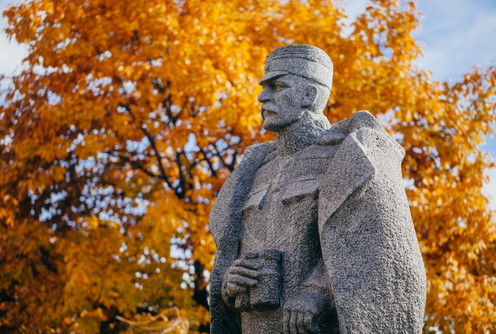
(313, 231)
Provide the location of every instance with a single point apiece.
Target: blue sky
(457, 35)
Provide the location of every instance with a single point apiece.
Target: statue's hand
(241, 276)
(306, 312)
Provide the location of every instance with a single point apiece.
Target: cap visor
(271, 76)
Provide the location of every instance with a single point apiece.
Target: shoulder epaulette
(340, 130)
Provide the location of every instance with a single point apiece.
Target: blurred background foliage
(129, 115)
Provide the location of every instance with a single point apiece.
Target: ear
(309, 96)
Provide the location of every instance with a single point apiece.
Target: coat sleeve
(368, 241)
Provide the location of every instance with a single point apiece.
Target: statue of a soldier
(313, 231)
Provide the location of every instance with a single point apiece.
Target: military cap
(303, 60)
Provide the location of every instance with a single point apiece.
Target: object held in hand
(266, 295)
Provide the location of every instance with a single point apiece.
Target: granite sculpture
(313, 231)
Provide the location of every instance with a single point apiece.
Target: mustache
(268, 109)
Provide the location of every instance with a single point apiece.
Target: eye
(278, 86)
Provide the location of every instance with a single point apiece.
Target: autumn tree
(128, 116)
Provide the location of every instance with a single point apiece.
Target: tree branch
(139, 166)
(152, 142)
(209, 163)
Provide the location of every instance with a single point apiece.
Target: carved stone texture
(313, 231)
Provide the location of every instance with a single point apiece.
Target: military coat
(338, 212)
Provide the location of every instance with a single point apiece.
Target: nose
(264, 96)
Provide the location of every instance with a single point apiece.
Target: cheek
(288, 99)
(289, 104)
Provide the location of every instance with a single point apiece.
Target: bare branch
(209, 163)
(152, 142)
(135, 164)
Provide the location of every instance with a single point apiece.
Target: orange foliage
(129, 115)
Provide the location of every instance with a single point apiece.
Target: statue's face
(281, 102)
